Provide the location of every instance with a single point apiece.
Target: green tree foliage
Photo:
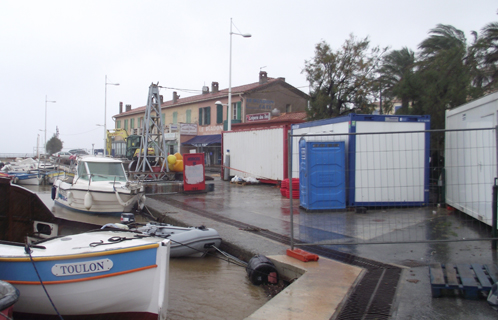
(488, 52)
(54, 145)
(342, 82)
(445, 73)
(397, 80)
(444, 70)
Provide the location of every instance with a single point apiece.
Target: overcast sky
(63, 50)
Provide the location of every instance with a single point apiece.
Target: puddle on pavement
(210, 288)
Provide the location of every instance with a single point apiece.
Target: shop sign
(170, 136)
(258, 116)
(188, 128)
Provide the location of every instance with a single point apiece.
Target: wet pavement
(263, 208)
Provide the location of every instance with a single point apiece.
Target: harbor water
(205, 288)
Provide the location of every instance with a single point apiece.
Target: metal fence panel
(407, 187)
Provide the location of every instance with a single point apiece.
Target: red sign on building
(258, 116)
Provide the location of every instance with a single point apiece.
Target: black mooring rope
(28, 251)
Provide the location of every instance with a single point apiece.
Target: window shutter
(200, 116)
(239, 107)
(208, 115)
(219, 113)
(188, 116)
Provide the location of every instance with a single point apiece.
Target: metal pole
(229, 115)
(494, 232)
(45, 145)
(105, 116)
(494, 209)
(46, 123)
(289, 142)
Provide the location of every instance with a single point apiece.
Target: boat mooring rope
(28, 251)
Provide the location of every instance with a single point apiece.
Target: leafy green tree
(397, 78)
(54, 145)
(342, 81)
(488, 45)
(444, 72)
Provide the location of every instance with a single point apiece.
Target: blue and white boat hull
(103, 273)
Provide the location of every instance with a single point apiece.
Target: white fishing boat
(100, 275)
(20, 165)
(26, 178)
(100, 186)
(185, 241)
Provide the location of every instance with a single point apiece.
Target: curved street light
(105, 112)
(229, 115)
(46, 101)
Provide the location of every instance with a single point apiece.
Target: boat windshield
(103, 171)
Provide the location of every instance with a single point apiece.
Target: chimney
(121, 107)
(205, 89)
(160, 100)
(128, 107)
(214, 87)
(175, 97)
(263, 77)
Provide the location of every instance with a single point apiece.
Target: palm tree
(444, 71)
(396, 75)
(489, 46)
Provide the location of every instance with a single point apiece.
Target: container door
(303, 175)
(326, 175)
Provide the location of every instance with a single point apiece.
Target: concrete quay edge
(321, 288)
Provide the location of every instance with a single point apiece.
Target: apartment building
(195, 123)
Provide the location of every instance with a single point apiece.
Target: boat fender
(88, 200)
(54, 192)
(141, 202)
(261, 270)
(121, 202)
(69, 197)
(9, 295)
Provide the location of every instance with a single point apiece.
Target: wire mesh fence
(394, 187)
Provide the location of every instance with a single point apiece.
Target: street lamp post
(46, 101)
(229, 115)
(105, 112)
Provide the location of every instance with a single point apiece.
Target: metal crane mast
(152, 136)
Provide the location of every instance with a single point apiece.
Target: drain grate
(373, 296)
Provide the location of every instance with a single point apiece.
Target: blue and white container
(387, 156)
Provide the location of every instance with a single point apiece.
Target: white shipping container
(382, 169)
(470, 157)
(258, 153)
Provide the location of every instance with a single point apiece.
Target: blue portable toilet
(322, 175)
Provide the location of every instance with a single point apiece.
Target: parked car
(62, 156)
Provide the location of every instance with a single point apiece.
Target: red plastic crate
(286, 193)
(285, 183)
(302, 255)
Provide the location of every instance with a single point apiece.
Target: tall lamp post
(229, 115)
(46, 101)
(105, 112)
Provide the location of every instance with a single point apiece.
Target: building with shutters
(195, 123)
